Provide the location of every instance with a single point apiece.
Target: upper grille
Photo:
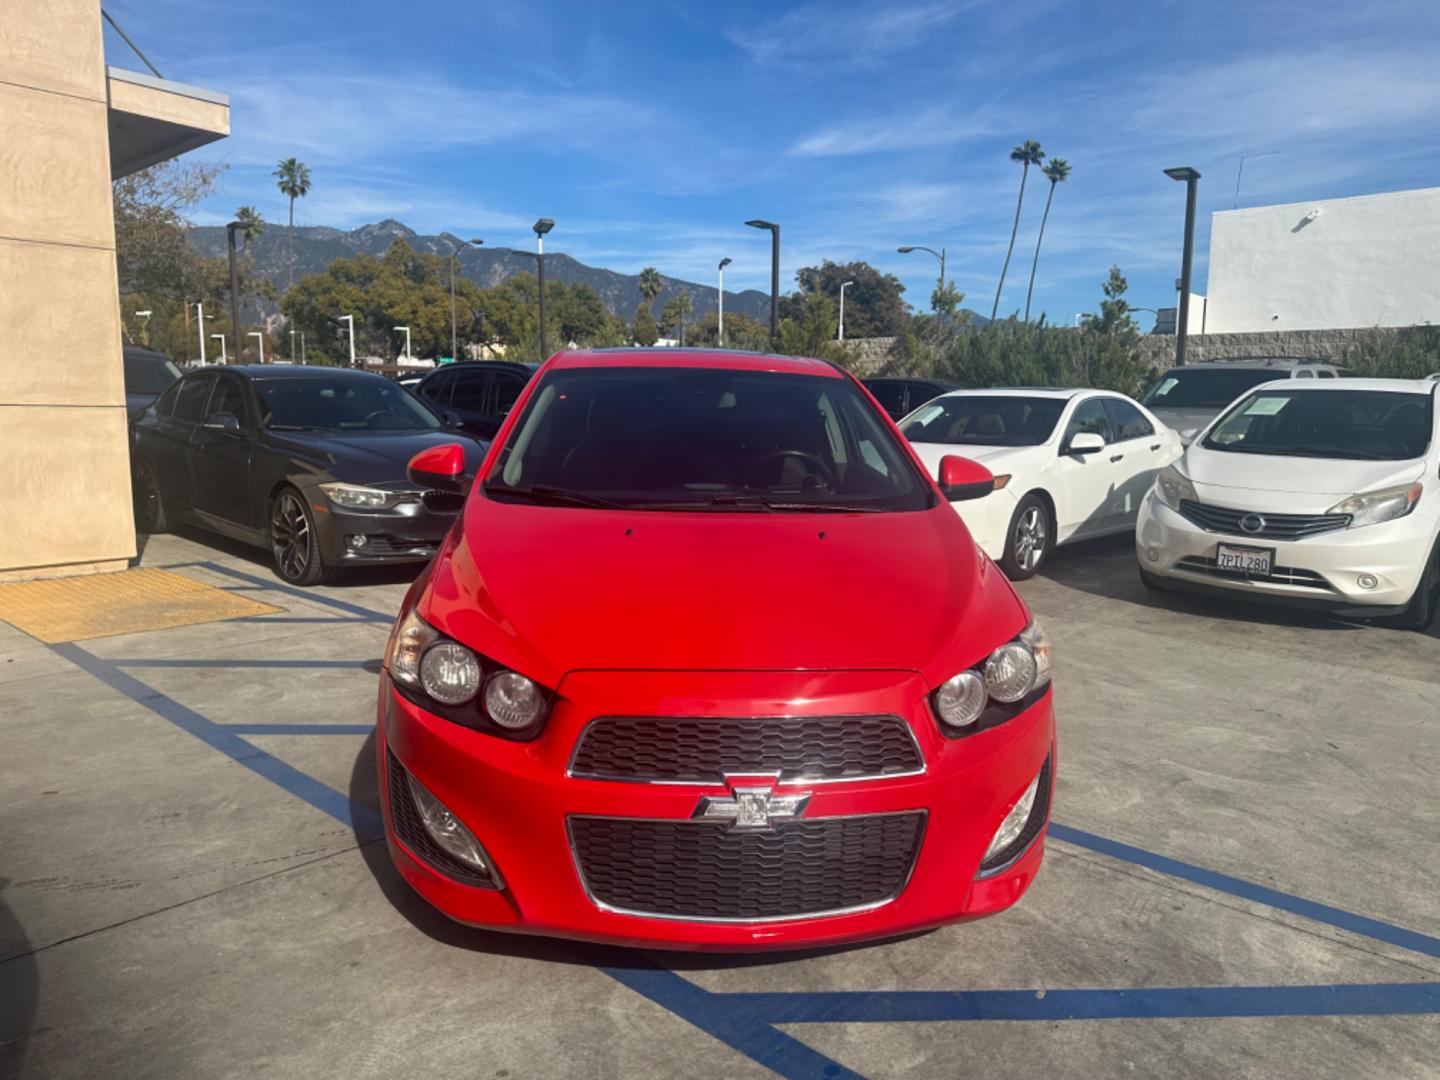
(1275, 526)
(704, 871)
(703, 750)
(405, 820)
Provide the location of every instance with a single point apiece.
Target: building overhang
(153, 120)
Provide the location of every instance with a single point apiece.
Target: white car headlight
(359, 497)
(960, 700)
(513, 701)
(1373, 507)
(1171, 485)
(407, 643)
(1012, 672)
(450, 673)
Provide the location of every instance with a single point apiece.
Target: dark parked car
(901, 397)
(307, 462)
(147, 375)
(479, 392)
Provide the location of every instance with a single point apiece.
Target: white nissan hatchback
(1322, 494)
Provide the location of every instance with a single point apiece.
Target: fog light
(357, 540)
(445, 829)
(1152, 553)
(1017, 829)
(1367, 581)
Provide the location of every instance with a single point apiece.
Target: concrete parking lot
(1241, 881)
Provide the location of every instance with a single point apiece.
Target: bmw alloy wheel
(292, 540)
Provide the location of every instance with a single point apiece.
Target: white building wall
(1373, 260)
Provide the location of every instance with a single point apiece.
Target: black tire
(1151, 582)
(1029, 539)
(1420, 612)
(295, 542)
(150, 516)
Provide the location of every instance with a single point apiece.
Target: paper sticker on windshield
(925, 415)
(1166, 386)
(1268, 405)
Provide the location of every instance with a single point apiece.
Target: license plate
(1250, 561)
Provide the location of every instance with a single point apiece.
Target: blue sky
(652, 131)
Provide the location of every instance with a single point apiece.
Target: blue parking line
(300, 784)
(1186, 1002)
(299, 729)
(231, 663)
(1248, 890)
(367, 614)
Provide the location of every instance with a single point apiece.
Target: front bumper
(410, 532)
(988, 520)
(518, 800)
(1323, 572)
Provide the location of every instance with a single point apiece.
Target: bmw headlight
(1009, 675)
(358, 497)
(1171, 485)
(1373, 507)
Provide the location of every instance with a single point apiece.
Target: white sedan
(1068, 464)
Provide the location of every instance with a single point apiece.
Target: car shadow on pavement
(351, 577)
(19, 989)
(364, 791)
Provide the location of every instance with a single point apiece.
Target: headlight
(513, 701)
(407, 643)
(1171, 485)
(1373, 507)
(1010, 674)
(357, 497)
(450, 673)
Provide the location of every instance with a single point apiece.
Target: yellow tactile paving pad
(102, 605)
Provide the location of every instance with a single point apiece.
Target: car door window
(1128, 422)
(1304, 374)
(190, 400)
(1323, 374)
(891, 396)
(228, 397)
(166, 403)
(436, 389)
(1089, 416)
(469, 393)
(505, 389)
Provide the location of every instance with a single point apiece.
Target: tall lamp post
(144, 317)
(543, 226)
(230, 230)
(406, 330)
(907, 249)
(349, 321)
(757, 223)
(843, 286)
(1190, 177)
(720, 293)
(454, 253)
(259, 341)
(223, 358)
(200, 319)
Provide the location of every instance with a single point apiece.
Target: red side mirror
(961, 478)
(439, 467)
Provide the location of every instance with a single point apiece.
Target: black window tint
(228, 397)
(984, 420)
(190, 402)
(1325, 374)
(437, 387)
(470, 389)
(167, 400)
(1089, 416)
(506, 389)
(1127, 420)
(890, 395)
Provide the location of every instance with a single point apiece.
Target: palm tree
(650, 285)
(1057, 171)
(253, 224)
(1027, 153)
(293, 179)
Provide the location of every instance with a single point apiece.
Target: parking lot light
(1189, 176)
(759, 223)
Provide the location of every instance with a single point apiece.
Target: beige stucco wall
(64, 460)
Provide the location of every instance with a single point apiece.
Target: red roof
(693, 358)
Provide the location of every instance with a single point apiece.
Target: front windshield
(342, 402)
(149, 374)
(984, 420)
(1205, 388)
(1374, 425)
(703, 438)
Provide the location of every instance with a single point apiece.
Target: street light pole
(757, 223)
(230, 231)
(259, 341)
(348, 320)
(454, 254)
(1190, 177)
(302, 348)
(223, 358)
(720, 293)
(200, 320)
(292, 346)
(543, 226)
(843, 286)
(907, 249)
(406, 329)
(144, 317)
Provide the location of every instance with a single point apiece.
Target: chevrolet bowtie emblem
(752, 807)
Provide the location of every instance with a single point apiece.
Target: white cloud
(855, 34)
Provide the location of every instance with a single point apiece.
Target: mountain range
(317, 246)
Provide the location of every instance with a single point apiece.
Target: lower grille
(384, 544)
(711, 872)
(1281, 575)
(1267, 526)
(704, 749)
(410, 830)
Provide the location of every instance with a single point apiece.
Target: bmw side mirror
(1085, 443)
(224, 422)
(451, 419)
(441, 468)
(962, 478)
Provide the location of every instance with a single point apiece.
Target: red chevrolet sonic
(709, 662)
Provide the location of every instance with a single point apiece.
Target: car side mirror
(440, 467)
(1085, 443)
(962, 479)
(451, 419)
(224, 422)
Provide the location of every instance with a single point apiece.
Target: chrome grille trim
(1225, 519)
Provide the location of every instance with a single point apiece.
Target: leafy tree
(650, 285)
(646, 332)
(1026, 154)
(1057, 171)
(874, 304)
(1114, 317)
(741, 332)
(945, 301)
(676, 310)
(811, 331)
(293, 179)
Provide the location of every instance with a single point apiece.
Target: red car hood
(549, 590)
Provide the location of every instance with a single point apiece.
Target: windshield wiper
(1302, 450)
(289, 427)
(792, 505)
(552, 496)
